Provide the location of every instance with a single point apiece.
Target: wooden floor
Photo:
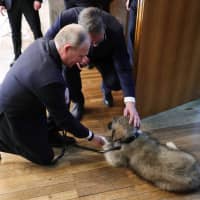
(85, 175)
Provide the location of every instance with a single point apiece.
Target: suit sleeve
(2, 3)
(53, 98)
(65, 18)
(122, 64)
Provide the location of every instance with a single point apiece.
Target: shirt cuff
(90, 136)
(129, 99)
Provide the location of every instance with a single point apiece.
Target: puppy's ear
(110, 125)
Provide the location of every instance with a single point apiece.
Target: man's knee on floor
(42, 158)
(45, 161)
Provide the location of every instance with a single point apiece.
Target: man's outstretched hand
(98, 140)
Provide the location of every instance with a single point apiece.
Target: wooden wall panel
(118, 9)
(168, 67)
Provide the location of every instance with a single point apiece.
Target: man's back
(26, 77)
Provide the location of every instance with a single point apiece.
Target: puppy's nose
(110, 125)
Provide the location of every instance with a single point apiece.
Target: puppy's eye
(110, 125)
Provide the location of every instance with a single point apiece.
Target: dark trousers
(131, 30)
(34, 147)
(15, 18)
(110, 80)
(102, 4)
(73, 79)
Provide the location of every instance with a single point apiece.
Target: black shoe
(108, 99)
(58, 140)
(14, 60)
(77, 110)
(12, 63)
(51, 125)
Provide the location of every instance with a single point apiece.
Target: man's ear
(67, 47)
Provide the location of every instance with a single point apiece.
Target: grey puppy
(165, 166)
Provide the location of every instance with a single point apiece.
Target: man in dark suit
(131, 6)
(15, 9)
(109, 54)
(103, 4)
(35, 84)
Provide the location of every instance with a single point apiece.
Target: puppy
(165, 166)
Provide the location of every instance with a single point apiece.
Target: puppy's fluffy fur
(165, 166)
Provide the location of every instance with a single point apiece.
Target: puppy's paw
(107, 143)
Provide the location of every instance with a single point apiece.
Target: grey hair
(73, 34)
(91, 19)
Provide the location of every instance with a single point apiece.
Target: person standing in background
(131, 6)
(103, 4)
(15, 9)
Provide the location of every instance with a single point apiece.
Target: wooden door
(168, 55)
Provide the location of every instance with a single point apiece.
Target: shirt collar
(54, 52)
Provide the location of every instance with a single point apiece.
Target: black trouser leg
(15, 17)
(73, 79)
(110, 79)
(34, 147)
(131, 30)
(33, 19)
(69, 4)
(8, 145)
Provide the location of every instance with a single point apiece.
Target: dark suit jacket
(112, 49)
(8, 3)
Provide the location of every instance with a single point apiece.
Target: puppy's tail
(191, 181)
(195, 177)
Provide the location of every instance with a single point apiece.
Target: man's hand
(131, 112)
(98, 140)
(37, 5)
(84, 62)
(2, 10)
